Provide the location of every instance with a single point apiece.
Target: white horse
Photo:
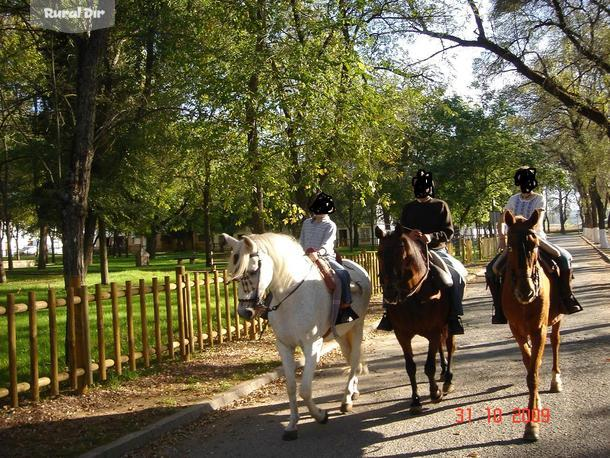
(299, 313)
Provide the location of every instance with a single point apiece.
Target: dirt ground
(74, 424)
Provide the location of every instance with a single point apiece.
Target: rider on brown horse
(430, 222)
(524, 204)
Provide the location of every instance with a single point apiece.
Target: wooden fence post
(116, 328)
(144, 323)
(237, 320)
(188, 313)
(227, 307)
(33, 325)
(12, 349)
(71, 317)
(101, 350)
(208, 308)
(157, 318)
(180, 297)
(130, 333)
(53, 343)
(170, 321)
(218, 310)
(198, 310)
(85, 343)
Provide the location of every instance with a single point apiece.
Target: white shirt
(319, 235)
(525, 207)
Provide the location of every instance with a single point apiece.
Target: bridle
(403, 295)
(261, 307)
(535, 268)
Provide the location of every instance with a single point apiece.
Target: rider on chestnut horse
(524, 204)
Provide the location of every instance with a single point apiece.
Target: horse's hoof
(324, 418)
(415, 410)
(346, 408)
(532, 432)
(448, 388)
(355, 396)
(290, 435)
(438, 397)
(556, 387)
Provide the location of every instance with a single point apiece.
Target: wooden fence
(195, 311)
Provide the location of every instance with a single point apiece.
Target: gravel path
(488, 372)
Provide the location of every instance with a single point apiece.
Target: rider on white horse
(319, 234)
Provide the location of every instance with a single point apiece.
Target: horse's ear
(379, 233)
(533, 220)
(509, 218)
(228, 240)
(250, 245)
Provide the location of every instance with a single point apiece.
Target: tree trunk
(101, 228)
(43, 251)
(89, 237)
(2, 271)
(258, 25)
(89, 50)
(356, 235)
(207, 232)
(151, 242)
(52, 248)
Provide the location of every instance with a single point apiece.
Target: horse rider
(431, 222)
(524, 204)
(319, 234)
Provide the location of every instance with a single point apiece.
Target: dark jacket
(432, 217)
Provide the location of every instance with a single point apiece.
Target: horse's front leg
(405, 343)
(312, 355)
(532, 429)
(430, 368)
(287, 355)
(448, 379)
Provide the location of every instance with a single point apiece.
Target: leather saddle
(328, 274)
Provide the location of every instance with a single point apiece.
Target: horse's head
(522, 246)
(253, 269)
(401, 264)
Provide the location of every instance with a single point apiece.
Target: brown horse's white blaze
(530, 305)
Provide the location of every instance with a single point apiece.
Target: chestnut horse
(416, 306)
(531, 303)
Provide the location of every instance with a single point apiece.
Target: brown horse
(416, 306)
(531, 303)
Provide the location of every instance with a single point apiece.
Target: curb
(603, 255)
(140, 438)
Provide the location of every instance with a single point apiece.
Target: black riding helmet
(322, 205)
(423, 185)
(525, 178)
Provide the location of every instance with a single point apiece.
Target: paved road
(488, 374)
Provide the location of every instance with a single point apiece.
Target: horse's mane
(281, 248)
(415, 256)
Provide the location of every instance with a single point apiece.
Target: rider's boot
(455, 325)
(346, 314)
(569, 304)
(495, 287)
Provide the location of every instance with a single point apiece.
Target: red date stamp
(496, 415)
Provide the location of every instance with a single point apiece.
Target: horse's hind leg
(351, 347)
(443, 361)
(287, 354)
(435, 394)
(556, 383)
(448, 380)
(312, 355)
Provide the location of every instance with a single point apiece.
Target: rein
(421, 281)
(262, 307)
